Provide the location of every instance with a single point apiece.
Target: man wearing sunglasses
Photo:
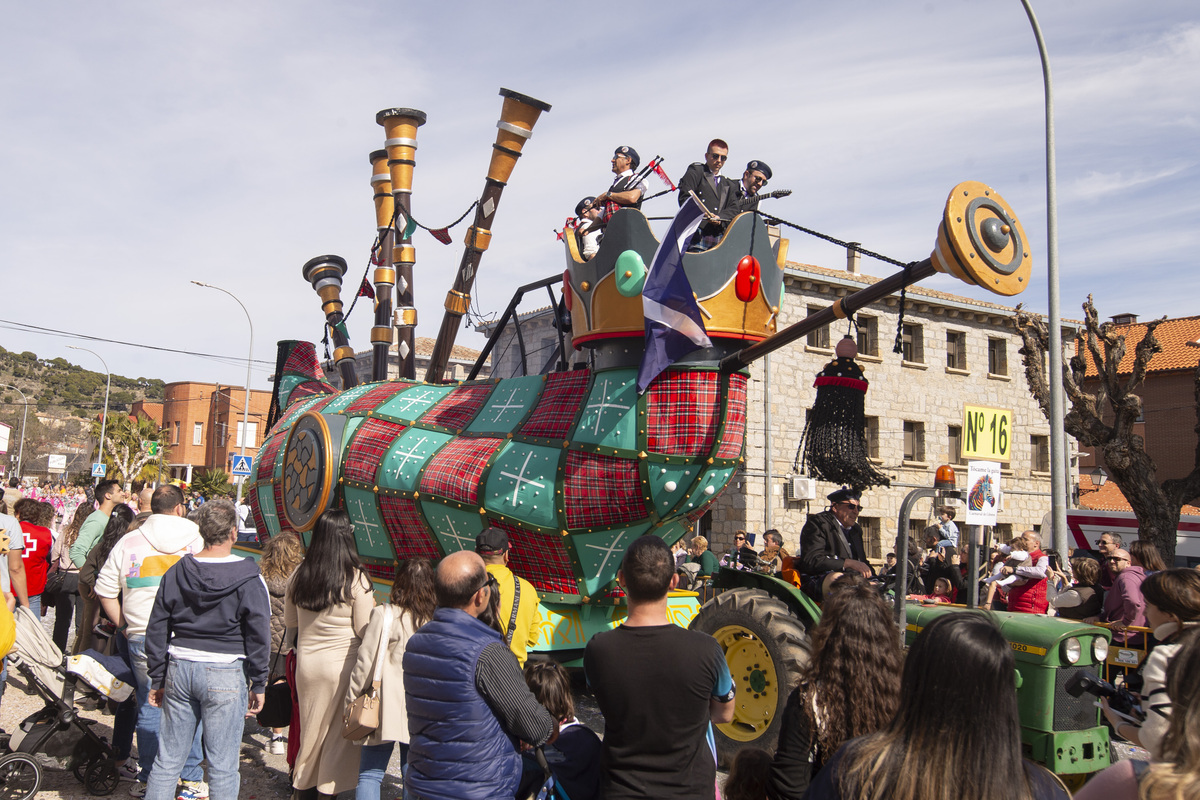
(711, 187)
(832, 541)
(468, 704)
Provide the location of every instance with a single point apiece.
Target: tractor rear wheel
(766, 648)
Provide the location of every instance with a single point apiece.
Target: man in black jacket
(212, 618)
(832, 542)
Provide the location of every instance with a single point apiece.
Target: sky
(144, 145)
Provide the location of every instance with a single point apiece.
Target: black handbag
(277, 703)
(53, 587)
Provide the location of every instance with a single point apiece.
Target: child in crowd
(943, 592)
(748, 775)
(574, 758)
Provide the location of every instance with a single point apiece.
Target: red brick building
(203, 423)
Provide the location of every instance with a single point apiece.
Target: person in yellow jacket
(492, 547)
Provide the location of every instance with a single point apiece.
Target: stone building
(457, 368)
(956, 351)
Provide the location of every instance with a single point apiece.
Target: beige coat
(393, 714)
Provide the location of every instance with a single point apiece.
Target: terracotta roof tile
(1180, 340)
(1110, 498)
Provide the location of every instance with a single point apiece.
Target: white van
(1086, 526)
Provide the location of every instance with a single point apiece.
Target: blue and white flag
(674, 327)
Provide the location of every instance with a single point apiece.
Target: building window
(956, 350)
(997, 356)
(1040, 453)
(871, 541)
(954, 437)
(704, 526)
(176, 439)
(871, 434)
(912, 343)
(197, 433)
(1003, 532)
(868, 335)
(914, 441)
(819, 337)
(253, 440)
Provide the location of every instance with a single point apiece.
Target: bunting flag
(673, 323)
(365, 289)
(441, 234)
(558, 235)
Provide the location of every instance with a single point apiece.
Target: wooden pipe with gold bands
(518, 114)
(384, 276)
(400, 127)
(325, 274)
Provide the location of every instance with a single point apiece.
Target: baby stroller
(56, 731)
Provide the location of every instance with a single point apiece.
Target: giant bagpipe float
(576, 463)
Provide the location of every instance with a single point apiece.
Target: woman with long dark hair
(413, 602)
(326, 610)
(953, 736)
(850, 688)
(1145, 555)
(1172, 605)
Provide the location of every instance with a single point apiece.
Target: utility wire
(53, 332)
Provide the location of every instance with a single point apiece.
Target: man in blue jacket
(468, 704)
(212, 622)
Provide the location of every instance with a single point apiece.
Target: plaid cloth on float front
(735, 419)
(682, 413)
(556, 409)
(459, 407)
(377, 396)
(303, 359)
(602, 491)
(295, 410)
(277, 491)
(383, 571)
(410, 537)
(541, 559)
(455, 471)
(370, 445)
(264, 464)
(260, 523)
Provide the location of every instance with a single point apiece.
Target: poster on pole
(4, 432)
(56, 463)
(983, 492)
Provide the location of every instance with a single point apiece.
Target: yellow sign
(987, 433)
(1028, 648)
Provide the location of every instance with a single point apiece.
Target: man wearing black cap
(753, 181)
(832, 541)
(626, 191)
(520, 621)
(590, 232)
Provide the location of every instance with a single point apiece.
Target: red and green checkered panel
(303, 359)
(602, 491)
(370, 445)
(260, 522)
(377, 396)
(456, 471)
(734, 434)
(296, 409)
(459, 407)
(385, 572)
(410, 537)
(540, 559)
(264, 466)
(555, 411)
(683, 412)
(278, 493)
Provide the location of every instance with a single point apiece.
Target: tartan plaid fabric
(455, 471)
(734, 434)
(377, 396)
(370, 445)
(278, 492)
(296, 409)
(260, 522)
(600, 491)
(264, 467)
(541, 559)
(410, 536)
(459, 407)
(383, 571)
(303, 359)
(556, 409)
(682, 412)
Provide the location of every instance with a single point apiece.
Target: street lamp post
(1058, 436)
(249, 361)
(24, 419)
(108, 386)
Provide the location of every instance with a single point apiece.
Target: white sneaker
(277, 746)
(192, 790)
(128, 771)
(138, 789)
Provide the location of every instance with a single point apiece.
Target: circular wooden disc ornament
(981, 241)
(310, 468)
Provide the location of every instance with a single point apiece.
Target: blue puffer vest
(458, 751)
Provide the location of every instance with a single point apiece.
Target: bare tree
(1156, 505)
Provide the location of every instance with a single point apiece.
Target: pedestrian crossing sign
(242, 465)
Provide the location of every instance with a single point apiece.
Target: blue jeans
(372, 766)
(215, 694)
(35, 605)
(149, 717)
